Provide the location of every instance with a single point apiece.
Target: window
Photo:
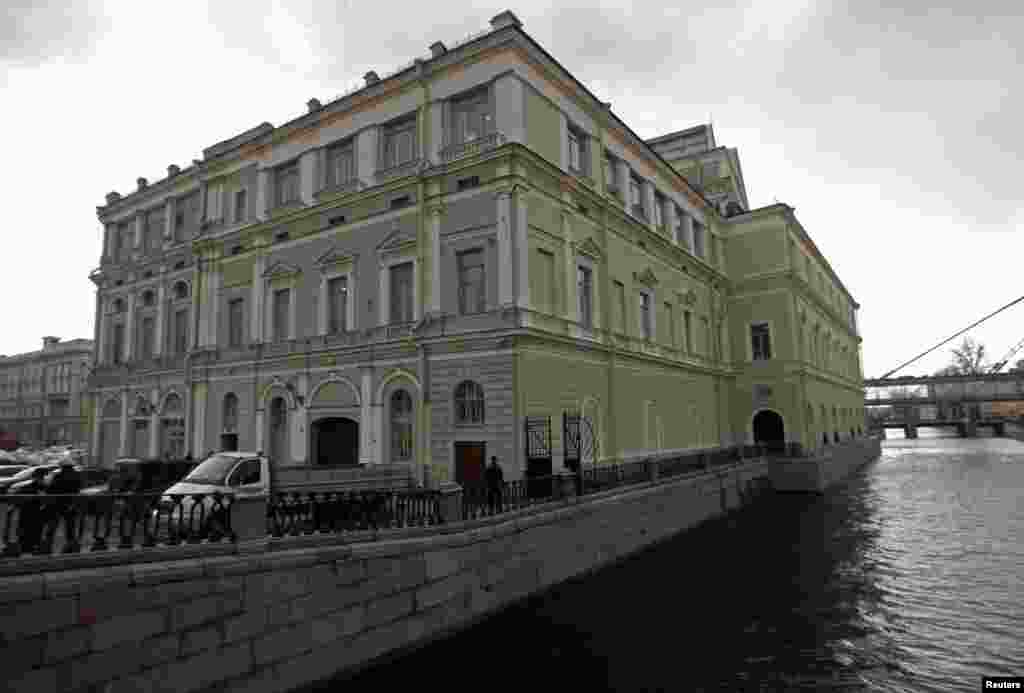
(147, 331)
(282, 314)
(472, 292)
(471, 117)
(585, 295)
(241, 205)
(399, 202)
(186, 217)
(341, 165)
(698, 238)
(401, 293)
(401, 426)
(620, 305)
(236, 322)
(125, 240)
(399, 143)
(287, 184)
(469, 403)
(180, 343)
(467, 183)
(117, 344)
(148, 299)
(154, 229)
(687, 332)
(610, 181)
(337, 305)
(180, 291)
(214, 195)
(760, 341)
(635, 199)
(646, 324)
(579, 151)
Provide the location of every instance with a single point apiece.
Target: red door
(469, 463)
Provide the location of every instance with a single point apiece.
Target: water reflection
(908, 578)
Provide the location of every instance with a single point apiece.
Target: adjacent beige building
(42, 393)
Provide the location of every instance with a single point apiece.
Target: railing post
(565, 484)
(451, 502)
(653, 468)
(249, 517)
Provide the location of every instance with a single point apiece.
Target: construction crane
(999, 365)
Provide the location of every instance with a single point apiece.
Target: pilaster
(436, 222)
(522, 242)
(366, 427)
(129, 329)
(154, 425)
(506, 295)
(262, 203)
(571, 306)
(161, 318)
(122, 445)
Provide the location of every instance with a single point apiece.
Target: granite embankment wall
(832, 465)
(279, 613)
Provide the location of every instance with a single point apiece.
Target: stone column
(366, 411)
(307, 176)
(154, 426)
(522, 262)
(436, 221)
(140, 230)
(506, 295)
(129, 329)
(256, 314)
(161, 317)
(571, 308)
(122, 447)
(647, 191)
(97, 423)
(622, 174)
(102, 321)
(168, 221)
(263, 201)
(383, 294)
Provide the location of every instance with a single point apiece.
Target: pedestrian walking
(495, 479)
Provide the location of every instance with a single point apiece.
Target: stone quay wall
(276, 614)
(831, 466)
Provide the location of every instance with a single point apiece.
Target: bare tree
(968, 359)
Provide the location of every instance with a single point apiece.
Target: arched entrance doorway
(769, 430)
(335, 442)
(278, 437)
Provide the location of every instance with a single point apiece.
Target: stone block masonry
(283, 613)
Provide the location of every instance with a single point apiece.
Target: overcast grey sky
(894, 132)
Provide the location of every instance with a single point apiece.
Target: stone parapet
(276, 614)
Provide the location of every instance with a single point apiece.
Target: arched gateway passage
(335, 441)
(769, 430)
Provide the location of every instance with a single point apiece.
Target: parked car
(135, 475)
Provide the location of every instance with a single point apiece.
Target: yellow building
(450, 263)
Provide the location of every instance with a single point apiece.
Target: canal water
(907, 578)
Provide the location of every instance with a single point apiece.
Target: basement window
(334, 221)
(281, 236)
(467, 183)
(119, 282)
(148, 274)
(237, 250)
(399, 202)
(180, 264)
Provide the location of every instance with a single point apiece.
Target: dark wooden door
(469, 463)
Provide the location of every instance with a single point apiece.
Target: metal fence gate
(537, 432)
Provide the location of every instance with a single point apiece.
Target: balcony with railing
(461, 150)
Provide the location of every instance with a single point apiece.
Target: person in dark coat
(67, 482)
(30, 519)
(495, 480)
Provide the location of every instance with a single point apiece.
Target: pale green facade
(550, 263)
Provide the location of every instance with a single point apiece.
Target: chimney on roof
(437, 49)
(142, 182)
(113, 196)
(506, 18)
(173, 170)
(371, 78)
(314, 105)
(49, 343)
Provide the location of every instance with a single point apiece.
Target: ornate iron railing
(45, 524)
(480, 501)
(299, 513)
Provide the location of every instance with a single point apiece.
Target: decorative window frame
(280, 275)
(398, 255)
(463, 424)
(323, 160)
(385, 167)
(448, 136)
(589, 255)
(770, 324)
(333, 265)
(275, 184)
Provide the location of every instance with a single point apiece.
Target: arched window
(469, 403)
(229, 430)
(401, 426)
(230, 412)
(180, 291)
